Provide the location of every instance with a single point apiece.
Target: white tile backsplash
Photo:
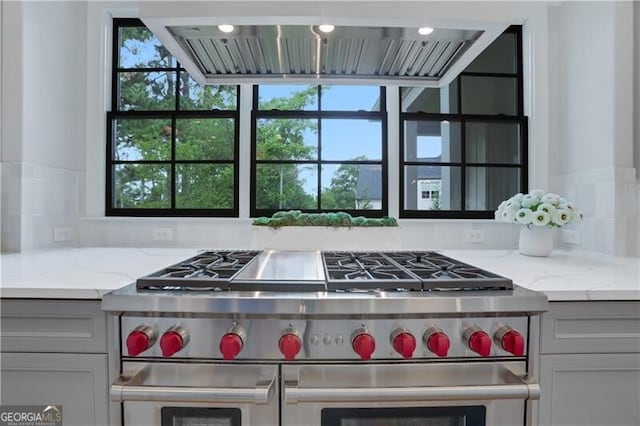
(239, 233)
(608, 199)
(35, 200)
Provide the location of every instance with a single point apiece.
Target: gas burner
(210, 270)
(439, 272)
(353, 271)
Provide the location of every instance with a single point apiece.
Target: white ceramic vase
(536, 241)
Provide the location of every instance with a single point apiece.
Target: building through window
(467, 142)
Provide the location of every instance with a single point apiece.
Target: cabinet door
(78, 382)
(590, 390)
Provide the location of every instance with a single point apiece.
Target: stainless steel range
(325, 338)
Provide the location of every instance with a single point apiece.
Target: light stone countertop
(88, 273)
(565, 275)
(80, 273)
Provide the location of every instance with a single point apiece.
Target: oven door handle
(127, 387)
(524, 388)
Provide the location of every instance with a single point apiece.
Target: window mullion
(319, 154)
(463, 165)
(173, 161)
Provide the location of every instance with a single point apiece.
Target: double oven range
(291, 338)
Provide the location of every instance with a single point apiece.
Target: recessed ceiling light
(326, 28)
(425, 30)
(225, 28)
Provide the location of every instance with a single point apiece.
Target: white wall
(11, 129)
(636, 74)
(44, 82)
(591, 120)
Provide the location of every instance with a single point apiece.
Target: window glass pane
(351, 139)
(287, 98)
(442, 183)
(351, 187)
(146, 91)
(287, 139)
(142, 139)
(139, 48)
(487, 187)
(205, 139)
(194, 96)
(425, 99)
(499, 57)
(489, 95)
(142, 186)
(492, 142)
(350, 98)
(286, 186)
(436, 141)
(204, 186)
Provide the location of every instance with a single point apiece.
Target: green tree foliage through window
(310, 159)
(173, 141)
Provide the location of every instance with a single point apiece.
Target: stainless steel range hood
(268, 48)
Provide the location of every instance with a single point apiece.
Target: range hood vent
(277, 51)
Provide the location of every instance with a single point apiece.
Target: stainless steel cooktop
(313, 271)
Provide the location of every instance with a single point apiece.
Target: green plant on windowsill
(338, 219)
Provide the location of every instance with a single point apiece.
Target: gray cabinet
(78, 382)
(590, 364)
(54, 352)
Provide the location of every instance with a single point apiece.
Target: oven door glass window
(191, 416)
(413, 416)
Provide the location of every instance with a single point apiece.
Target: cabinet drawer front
(52, 326)
(591, 327)
(589, 390)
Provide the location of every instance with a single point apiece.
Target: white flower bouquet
(538, 208)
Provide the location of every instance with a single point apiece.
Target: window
(171, 143)
(465, 145)
(319, 149)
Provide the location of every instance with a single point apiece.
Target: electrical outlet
(163, 234)
(61, 234)
(570, 236)
(474, 236)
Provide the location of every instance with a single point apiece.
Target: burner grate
(440, 272)
(210, 270)
(347, 271)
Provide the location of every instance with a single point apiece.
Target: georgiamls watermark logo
(30, 415)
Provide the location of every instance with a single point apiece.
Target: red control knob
(480, 343)
(439, 344)
(513, 342)
(364, 344)
(404, 344)
(137, 342)
(171, 342)
(290, 346)
(230, 345)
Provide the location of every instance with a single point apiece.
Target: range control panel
(340, 339)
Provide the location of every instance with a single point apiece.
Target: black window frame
(173, 114)
(520, 119)
(320, 114)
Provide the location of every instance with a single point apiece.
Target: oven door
(176, 394)
(437, 394)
